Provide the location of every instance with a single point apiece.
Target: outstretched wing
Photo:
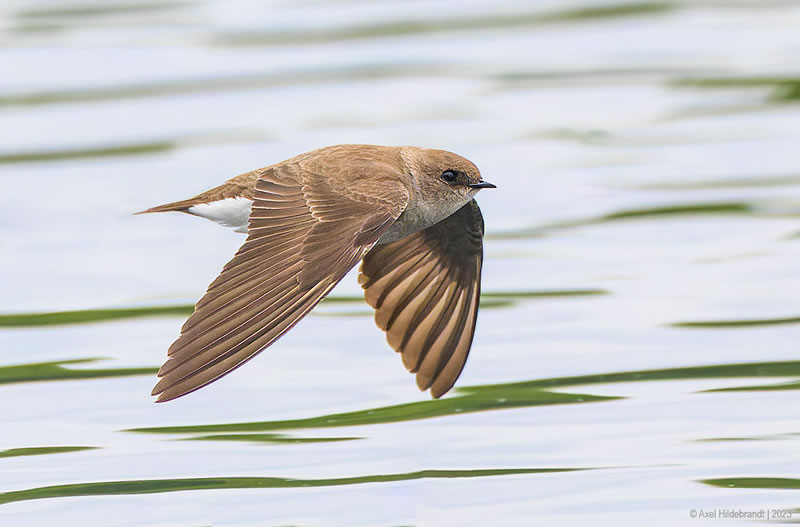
(425, 290)
(304, 236)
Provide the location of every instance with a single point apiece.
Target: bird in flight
(406, 213)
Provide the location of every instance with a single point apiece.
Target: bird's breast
(419, 215)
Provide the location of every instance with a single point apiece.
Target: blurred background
(636, 353)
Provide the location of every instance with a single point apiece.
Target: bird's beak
(482, 184)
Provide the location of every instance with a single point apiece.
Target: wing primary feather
(444, 347)
(440, 321)
(234, 306)
(428, 304)
(241, 346)
(200, 343)
(413, 338)
(419, 281)
(449, 370)
(433, 298)
(242, 279)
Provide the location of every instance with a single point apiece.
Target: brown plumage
(425, 290)
(407, 212)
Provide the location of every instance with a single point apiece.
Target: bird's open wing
(303, 237)
(425, 290)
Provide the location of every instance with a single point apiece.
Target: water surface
(636, 353)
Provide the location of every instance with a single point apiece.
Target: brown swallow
(406, 213)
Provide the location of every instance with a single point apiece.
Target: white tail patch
(230, 212)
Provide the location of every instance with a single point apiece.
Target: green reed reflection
(754, 483)
(784, 89)
(769, 437)
(418, 26)
(83, 316)
(665, 211)
(20, 320)
(493, 397)
(91, 11)
(55, 371)
(42, 450)
(89, 152)
(268, 438)
(465, 401)
(153, 486)
(744, 323)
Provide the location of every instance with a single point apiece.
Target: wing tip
(159, 394)
(158, 391)
(435, 391)
(164, 399)
(163, 393)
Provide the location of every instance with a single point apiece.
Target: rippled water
(636, 355)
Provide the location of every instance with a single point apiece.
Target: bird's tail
(176, 206)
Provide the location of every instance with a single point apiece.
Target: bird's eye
(448, 176)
